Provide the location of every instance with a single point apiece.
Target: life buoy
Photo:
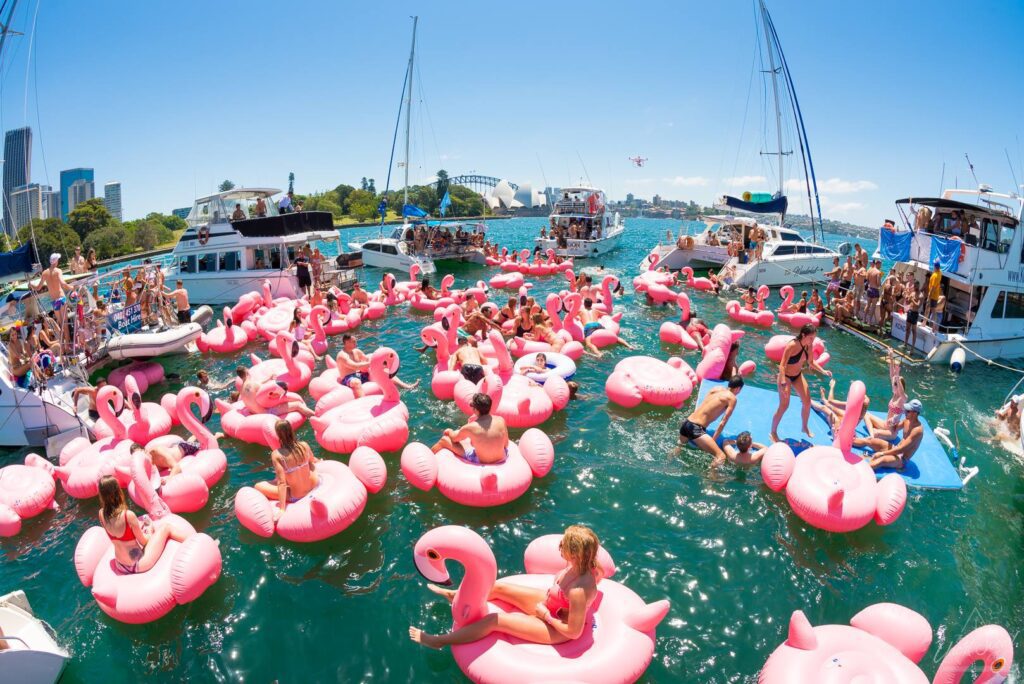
(204, 235)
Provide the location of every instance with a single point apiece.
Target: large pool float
(652, 275)
(645, 379)
(762, 318)
(716, 354)
(189, 490)
(407, 287)
(473, 484)
(258, 408)
(227, 337)
(830, 487)
(83, 463)
(287, 368)
(617, 642)
(25, 492)
(146, 374)
(380, 421)
(184, 571)
(508, 281)
(883, 643)
(556, 364)
(336, 502)
(442, 380)
(143, 421)
(795, 319)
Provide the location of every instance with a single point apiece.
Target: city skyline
(547, 117)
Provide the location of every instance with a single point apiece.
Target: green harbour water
(729, 554)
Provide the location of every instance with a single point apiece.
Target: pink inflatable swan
(286, 369)
(883, 643)
(83, 463)
(777, 346)
(830, 487)
(645, 379)
(377, 421)
(795, 319)
(184, 571)
(334, 504)
(472, 484)
(716, 354)
(25, 492)
(189, 490)
(252, 417)
(675, 333)
(227, 337)
(618, 638)
(697, 283)
(144, 422)
(761, 318)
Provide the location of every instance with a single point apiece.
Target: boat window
(1006, 235)
(783, 250)
(388, 249)
(997, 310)
(275, 257)
(790, 237)
(230, 261)
(258, 258)
(208, 263)
(990, 234)
(1014, 304)
(372, 246)
(187, 264)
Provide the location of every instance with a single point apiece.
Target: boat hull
(144, 345)
(783, 271)
(939, 348)
(583, 249)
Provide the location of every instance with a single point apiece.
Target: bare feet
(422, 638)
(774, 438)
(807, 431)
(448, 594)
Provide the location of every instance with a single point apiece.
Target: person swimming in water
(543, 616)
(694, 428)
(743, 451)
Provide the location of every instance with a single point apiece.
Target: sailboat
(786, 258)
(418, 241)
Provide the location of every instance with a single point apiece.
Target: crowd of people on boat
(441, 240)
(575, 229)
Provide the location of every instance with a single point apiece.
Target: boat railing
(570, 207)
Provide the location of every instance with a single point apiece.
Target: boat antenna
(585, 172)
(971, 167)
(394, 142)
(408, 110)
(942, 178)
(1013, 174)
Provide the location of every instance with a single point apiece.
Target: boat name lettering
(1017, 277)
(127, 320)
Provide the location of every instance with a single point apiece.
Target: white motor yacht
(32, 654)
(218, 257)
(976, 236)
(580, 227)
(707, 249)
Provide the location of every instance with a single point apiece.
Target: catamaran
(580, 226)
(975, 237)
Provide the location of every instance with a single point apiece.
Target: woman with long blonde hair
(552, 616)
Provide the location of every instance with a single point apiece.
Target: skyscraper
(79, 191)
(51, 203)
(17, 169)
(26, 205)
(67, 177)
(112, 199)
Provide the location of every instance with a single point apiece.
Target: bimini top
(241, 194)
(944, 203)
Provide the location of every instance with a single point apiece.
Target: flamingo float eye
(998, 664)
(433, 555)
(136, 401)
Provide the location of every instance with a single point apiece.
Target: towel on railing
(946, 252)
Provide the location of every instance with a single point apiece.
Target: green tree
(225, 186)
(362, 205)
(323, 201)
(52, 237)
(5, 243)
(341, 194)
(109, 242)
(169, 221)
(363, 184)
(465, 202)
(291, 181)
(147, 235)
(89, 216)
(371, 187)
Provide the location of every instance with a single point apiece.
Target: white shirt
(285, 203)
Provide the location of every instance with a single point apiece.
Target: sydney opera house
(503, 197)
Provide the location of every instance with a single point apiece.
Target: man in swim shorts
(874, 285)
(352, 365)
(743, 451)
(487, 435)
(467, 360)
(888, 455)
(694, 428)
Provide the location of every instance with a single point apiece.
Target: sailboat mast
(408, 110)
(775, 89)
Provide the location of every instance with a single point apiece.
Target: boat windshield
(220, 208)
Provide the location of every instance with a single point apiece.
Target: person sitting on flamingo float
(137, 544)
(591, 320)
(487, 435)
(551, 616)
(468, 360)
(294, 470)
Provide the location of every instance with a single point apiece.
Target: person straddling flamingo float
(487, 435)
(592, 324)
(797, 356)
(542, 626)
(694, 427)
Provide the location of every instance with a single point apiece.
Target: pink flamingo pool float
(379, 421)
(617, 642)
(716, 354)
(285, 369)
(473, 484)
(762, 318)
(83, 463)
(25, 492)
(645, 379)
(795, 319)
(883, 643)
(144, 422)
(258, 408)
(697, 283)
(225, 338)
(830, 487)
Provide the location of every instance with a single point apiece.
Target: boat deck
(908, 355)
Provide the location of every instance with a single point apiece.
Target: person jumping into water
(694, 428)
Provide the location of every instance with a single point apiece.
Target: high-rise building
(112, 199)
(80, 191)
(17, 169)
(51, 203)
(67, 178)
(27, 204)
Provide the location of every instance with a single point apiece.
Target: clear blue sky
(170, 98)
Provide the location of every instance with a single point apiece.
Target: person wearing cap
(53, 281)
(934, 288)
(896, 454)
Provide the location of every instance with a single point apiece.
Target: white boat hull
(145, 345)
(701, 256)
(939, 348)
(779, 271)
(583, 249)
(222, 288)
(33, 655)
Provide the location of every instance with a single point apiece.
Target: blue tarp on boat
(895, 246)
(930, 467)
(946, 252)
(17, 261)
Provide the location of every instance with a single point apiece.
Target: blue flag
(413, 210)
(382, 208)
(446, 203)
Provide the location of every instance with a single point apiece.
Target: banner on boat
(125, 321)
(946, 252)
(413, 210)
(775, 206)
(894, 246)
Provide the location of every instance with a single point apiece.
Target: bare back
(713, 406)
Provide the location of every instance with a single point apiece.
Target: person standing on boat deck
(934, 289)
(53, 281)
(798, 355)
(694, 427)
(301, 264)
(78, 263)
(180, 296)
(888, 301)
(937, 313)
(316, 262)
(912, 301)
(833, 281)
(284, 206)
(874, 283)
(90, 259)
(860, 275)
(261, 207)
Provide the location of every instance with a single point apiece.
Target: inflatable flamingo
(716, 354)
(607, 335)
(618, 638)
(377, 421)
(645, 379)
(189, 490)
(777, 346)
(795, 319)
(760, 318)
(225, 338)
(317, 315)
(442, 381)
(246, 306)
(676, 333)
(697, 283)
(336, 502)
(184, 571)
(259, 407)
(145, 421)
(25, 492)
(83, 463)
(407, 287)
(146, 374)
(285, 369)
(653, 275)
(830, 487)
(883, 643)
(473, 484)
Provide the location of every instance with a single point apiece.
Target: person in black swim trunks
(467, 360)
(353, 365)
(301, 264)
(89, 392)
(694, 428)
(798, 352)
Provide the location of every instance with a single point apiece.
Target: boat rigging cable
(394, 142)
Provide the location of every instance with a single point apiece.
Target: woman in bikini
(294, 470)
(137, 546)
(796, 356)
(552, 616)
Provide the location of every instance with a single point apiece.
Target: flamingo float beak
(430, 565)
